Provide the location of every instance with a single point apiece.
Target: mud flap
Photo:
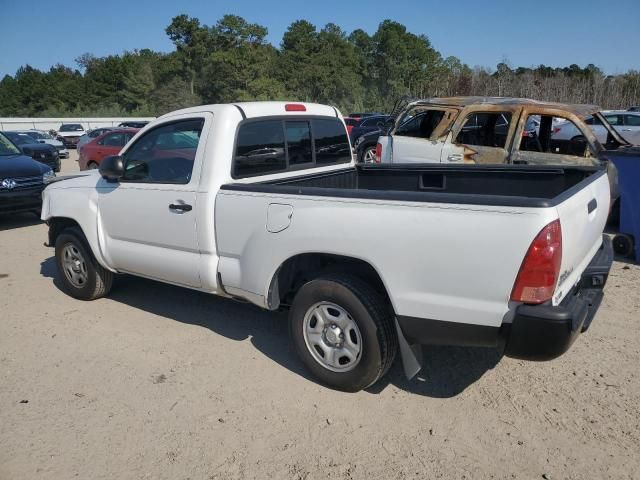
(411, 354)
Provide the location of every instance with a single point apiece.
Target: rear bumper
(537, 332)
(544, 332)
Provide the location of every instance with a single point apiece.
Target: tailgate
(583, 217)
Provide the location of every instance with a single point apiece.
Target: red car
(109, 143)
(350, 123)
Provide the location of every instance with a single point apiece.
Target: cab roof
(262, 109)
(577, 109)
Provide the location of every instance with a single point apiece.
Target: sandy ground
(161, 382)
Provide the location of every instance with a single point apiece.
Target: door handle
(180, 207)
(593, 204)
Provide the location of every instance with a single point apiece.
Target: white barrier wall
(54, 123)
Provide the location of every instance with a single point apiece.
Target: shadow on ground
(18, 220)
(448, 370)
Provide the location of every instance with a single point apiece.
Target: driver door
(148, 218)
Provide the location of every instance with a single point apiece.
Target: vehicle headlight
(48, 176)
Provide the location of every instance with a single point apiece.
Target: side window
(614, 119)
(485, 129)
(298, 136)
(331, 142)
(113, 140)
(554, 135)
(632, 120)
(260, 149)
(164, 154)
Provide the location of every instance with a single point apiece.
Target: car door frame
(544, 158)
(435, 142)
(192, 188)
(461, 153)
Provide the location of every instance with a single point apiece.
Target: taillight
(540, 268)
(378, 152)
(295, 107)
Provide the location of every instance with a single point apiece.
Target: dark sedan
(369, 124)
(22, 180)
(42, 152)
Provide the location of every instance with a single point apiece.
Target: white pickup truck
(263, 202)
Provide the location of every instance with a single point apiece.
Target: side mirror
(112, 168)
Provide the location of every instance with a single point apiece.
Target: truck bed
(503, 185)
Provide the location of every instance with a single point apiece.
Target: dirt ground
(159, 382)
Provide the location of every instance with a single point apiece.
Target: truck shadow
(448, 370)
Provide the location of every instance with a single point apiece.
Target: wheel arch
(298, 269)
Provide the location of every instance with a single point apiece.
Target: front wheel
(82, 276)
(342, 330)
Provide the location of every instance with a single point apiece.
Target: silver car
(626, 123)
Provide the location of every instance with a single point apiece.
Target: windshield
(39, 135)
(19, 138)
(6, 147)
(71, 127)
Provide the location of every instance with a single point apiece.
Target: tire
(91, 279)
(92, 165)
(368, 155)
(623, 245)
(375, 333)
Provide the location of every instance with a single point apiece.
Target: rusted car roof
(577, 109)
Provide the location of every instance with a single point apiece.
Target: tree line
(233, 61)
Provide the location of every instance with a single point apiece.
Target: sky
(479, 32)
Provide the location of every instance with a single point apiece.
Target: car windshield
(19, 138)
(6, 147)
(71, 127)
(39, 135)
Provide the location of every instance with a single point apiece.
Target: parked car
(626, 123)
(350, 123)
(91, 154)
(634, 109)
(369, 124)
(365, 146)
(134, 124)
(41, 136)
(22, 180)
(262, 202)
(91, 134)
(491, 130)
(40, 152)
(70, 133)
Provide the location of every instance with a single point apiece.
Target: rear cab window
(278, 145)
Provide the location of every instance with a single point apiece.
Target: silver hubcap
(74, 266)
(369, 156)
(332, 337)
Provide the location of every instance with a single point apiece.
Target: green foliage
(233, 61)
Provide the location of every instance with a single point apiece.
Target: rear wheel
(82, 276)
(92, 165)
(342, 330)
